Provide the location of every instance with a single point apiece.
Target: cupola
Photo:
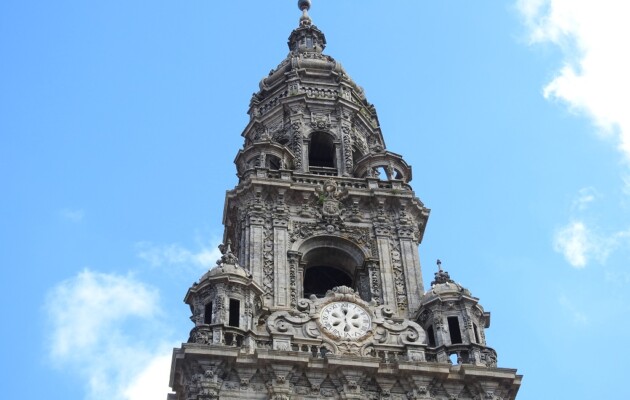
(455, 322)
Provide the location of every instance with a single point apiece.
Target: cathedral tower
(319, 291)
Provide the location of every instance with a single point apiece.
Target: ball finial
(304, 5)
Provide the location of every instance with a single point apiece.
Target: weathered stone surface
(319, 291)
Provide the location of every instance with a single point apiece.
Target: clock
(345, 320)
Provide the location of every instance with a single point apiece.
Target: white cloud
(585, 197)
(102, 327)
(574, 243)
(594, 77)
(579, 244)
(152, 382)
(74, 215)
(175, 254)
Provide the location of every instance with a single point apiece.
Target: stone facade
(319, 292)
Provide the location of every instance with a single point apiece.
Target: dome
(226, 269)
(443, 286)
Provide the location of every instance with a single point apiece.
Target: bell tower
(319, 291)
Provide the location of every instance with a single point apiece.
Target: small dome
(226, 269)
(443, 285)
(445, 289)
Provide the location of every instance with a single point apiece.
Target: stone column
(338, 157)
(256, 243)
(281, 267)
(411, 267)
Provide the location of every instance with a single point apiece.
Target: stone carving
(320, 121)
(489, 358)
(359, 235)
(227, 256)
(280, 350)
(347, 148)
(297, 143)
(268, 274)
(200, 335)
(293, 259)
(375, 281)
(399, 276)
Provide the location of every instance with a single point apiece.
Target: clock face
(345, 320)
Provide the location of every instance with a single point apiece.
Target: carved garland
(293, 259)
(347, 148)
(268, 259)
(399, 276)
(296, 144)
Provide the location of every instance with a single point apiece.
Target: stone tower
(319, 291)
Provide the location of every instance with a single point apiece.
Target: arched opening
(381, 173)
(431, 336)
(320, 279)
(321, 152)
(329, 262)
(273, 162)
(454, 330)
(356, 156)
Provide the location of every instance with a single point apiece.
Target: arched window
(330, 262)
(321, 152)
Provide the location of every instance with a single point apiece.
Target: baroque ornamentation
(293, 259)
(268, 259)
(399, 276)
(359, 235)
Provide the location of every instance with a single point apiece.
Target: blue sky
(120, 120)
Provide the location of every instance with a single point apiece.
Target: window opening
(320, 279)
(273, 162)
(321, 152)
(207, 314)
(381, 173)
(431, 336)
(453, 327)
(235, 313)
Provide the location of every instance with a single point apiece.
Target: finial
(441, 276)
(304, 6)
(227, 256)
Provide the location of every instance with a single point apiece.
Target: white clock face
(345, 320)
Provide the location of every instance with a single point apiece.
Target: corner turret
(455, 322)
